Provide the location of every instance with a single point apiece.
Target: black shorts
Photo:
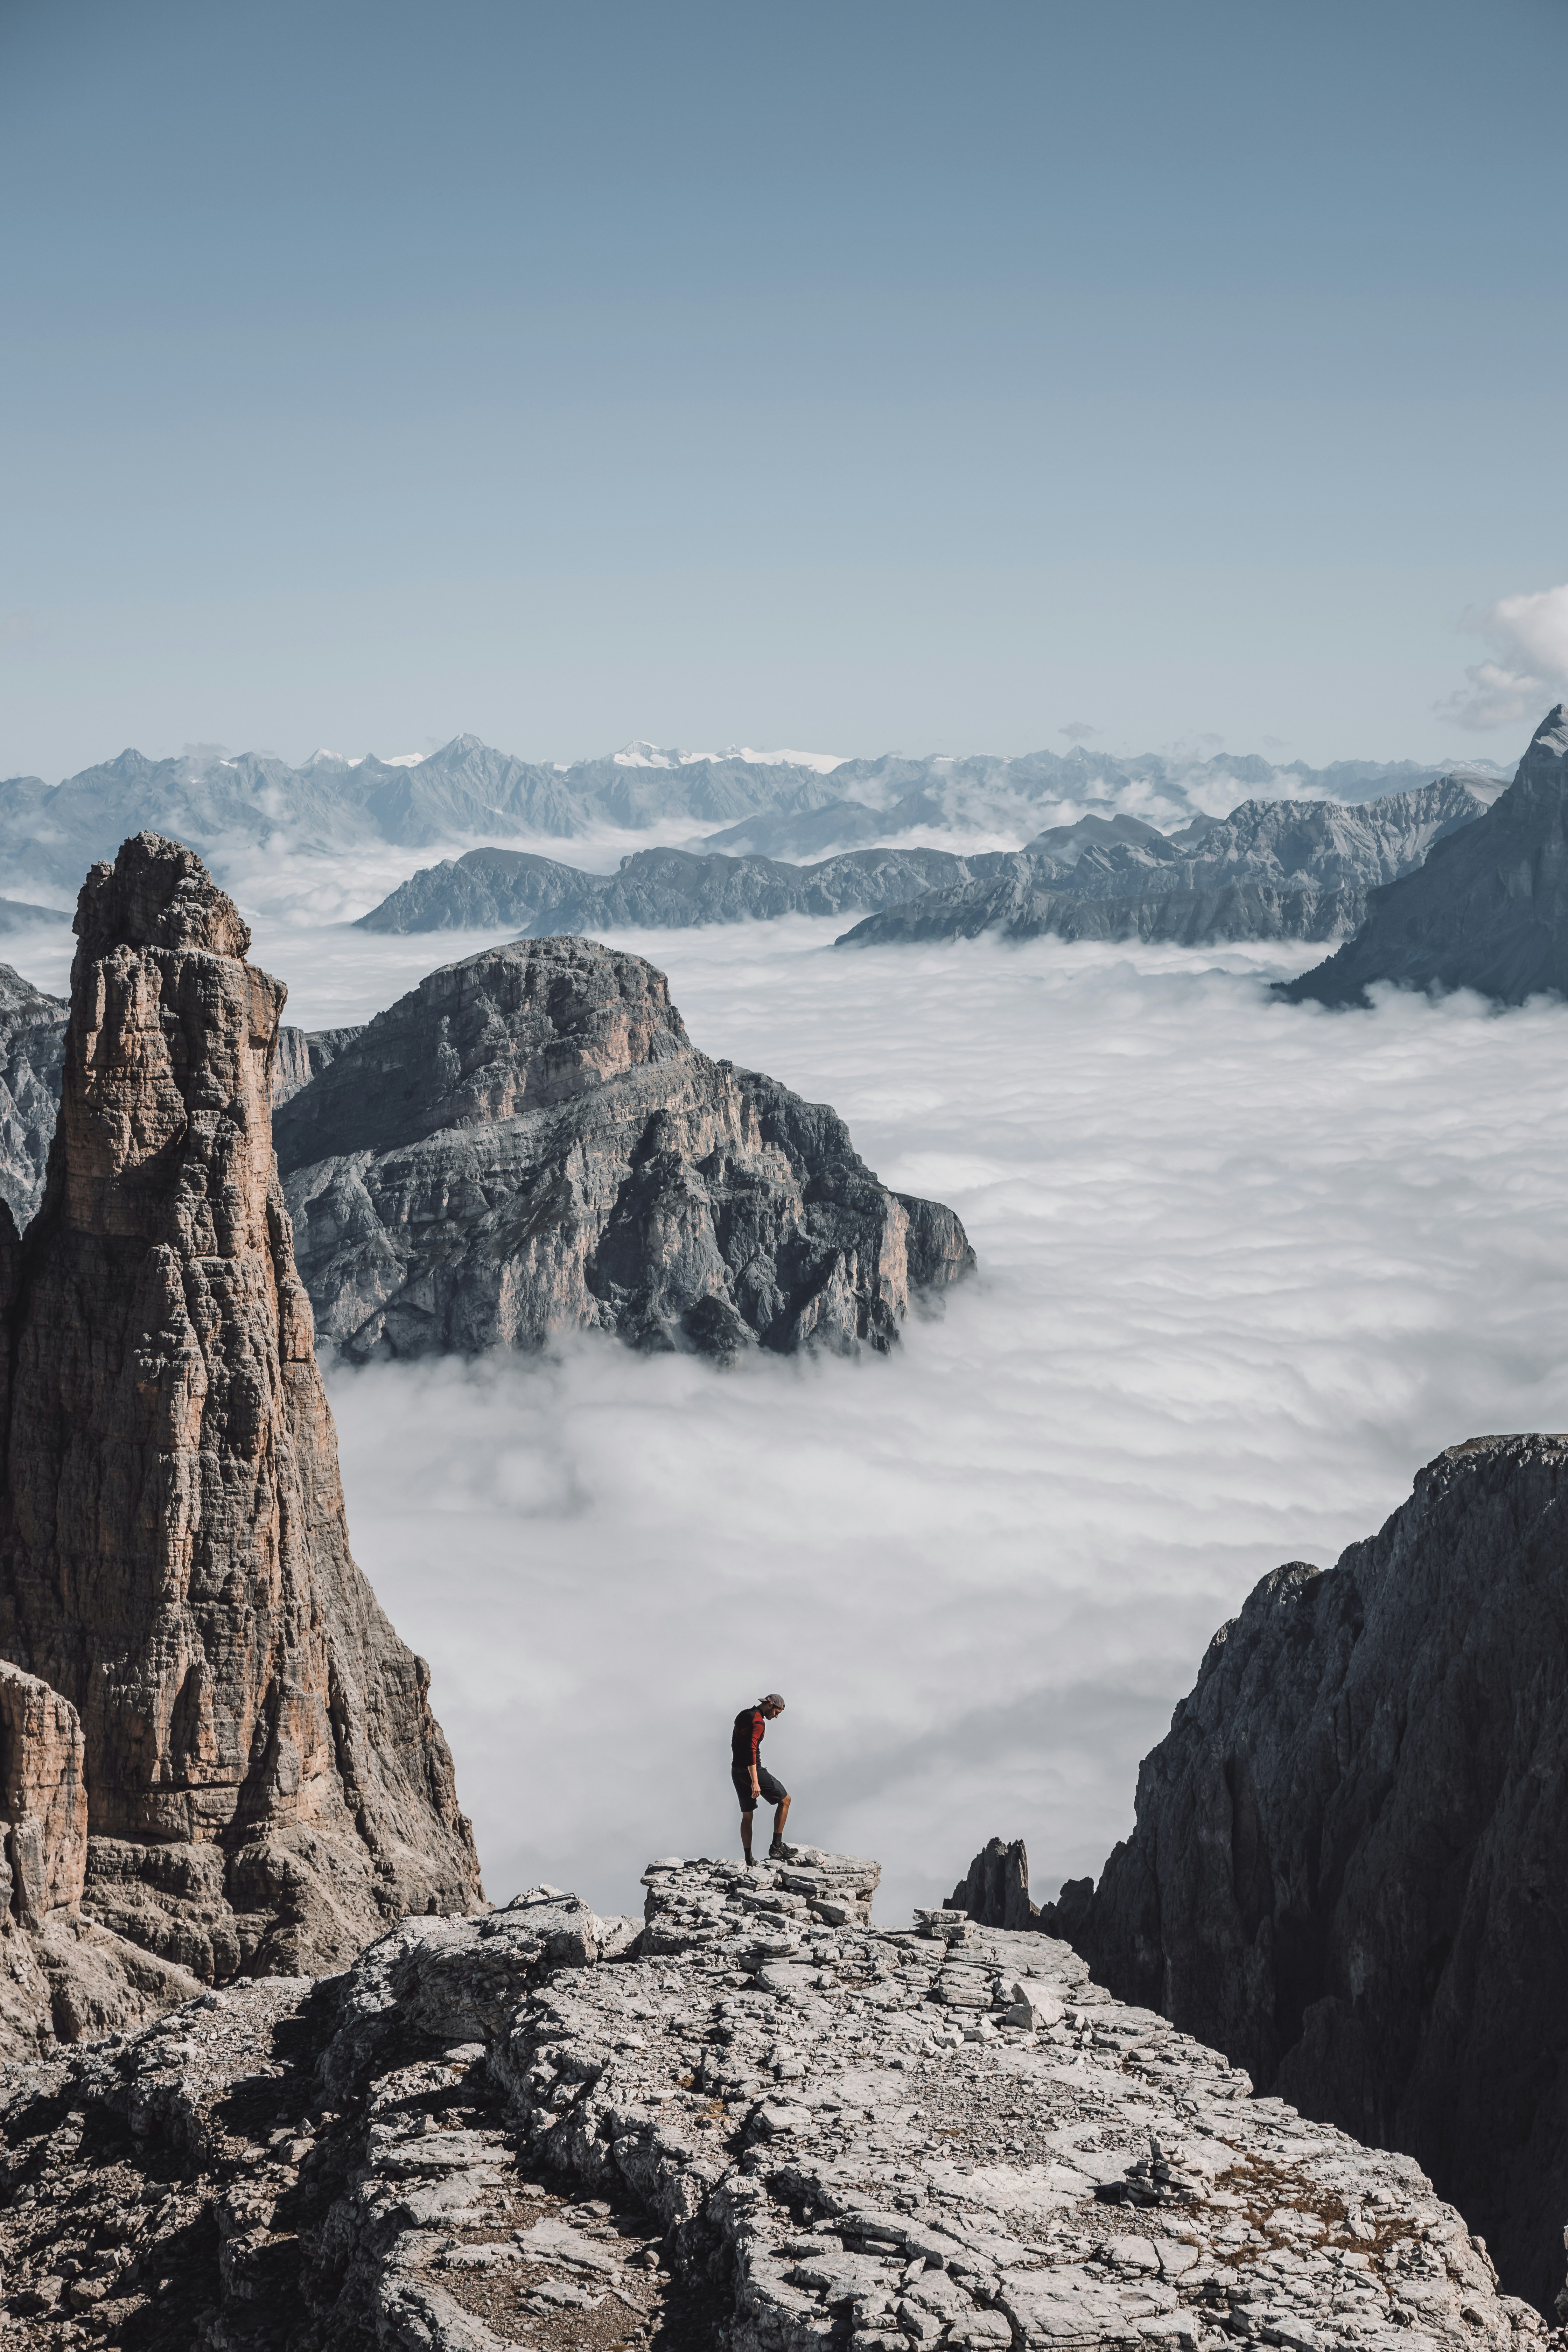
(774, 1792)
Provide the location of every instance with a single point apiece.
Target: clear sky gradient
(847, 377)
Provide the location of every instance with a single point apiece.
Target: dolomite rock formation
(528, 1144)
(32, 1057)
(266, 1785)
(60, 1975)
(303, 1055)
(1488, 911)
(1349, 1850)
(746, 2123)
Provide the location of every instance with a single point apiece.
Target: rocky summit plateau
(528, 1144)
(750, 2121)
(218, 1757)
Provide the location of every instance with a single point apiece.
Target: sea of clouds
(1243, 1268)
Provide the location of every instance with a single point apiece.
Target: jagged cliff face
(528, 1144)
(1350, 1850)
(266, 1784)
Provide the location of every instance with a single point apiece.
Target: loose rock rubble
(754, 2122)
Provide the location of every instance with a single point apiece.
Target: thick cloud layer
(1244, 1266)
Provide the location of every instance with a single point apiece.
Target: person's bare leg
(779, 1819)
(746, 1821)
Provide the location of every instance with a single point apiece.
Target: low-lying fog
(1243, 1267)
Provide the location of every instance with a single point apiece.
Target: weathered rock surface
(1349, 1851)
(528, 1144)
(1489, 912)
(669, 889)
(267, 1787)
(493, 2132)
(1270, 870)
(32, 1059)
(303, 1055)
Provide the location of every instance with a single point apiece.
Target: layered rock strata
(1488, 911)
(303, 1055)
(266, 1785)
(528, 1144)
(773, 2131)
(1349, 1850)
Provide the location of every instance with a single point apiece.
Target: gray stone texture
(1349, 1850)
(528, 1144)
(544, 2127)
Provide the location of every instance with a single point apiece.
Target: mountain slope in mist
(1270, 870)
(1488, 911)
(229, 808)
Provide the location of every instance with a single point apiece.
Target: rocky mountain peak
(157, 894)
(266, 1786)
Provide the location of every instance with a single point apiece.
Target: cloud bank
(1243, 1267)
(1529, 668)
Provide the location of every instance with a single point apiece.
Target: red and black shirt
(747, 1738)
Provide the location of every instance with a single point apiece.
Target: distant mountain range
(1269, 869)
(775, 805)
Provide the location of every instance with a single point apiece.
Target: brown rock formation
(266, 1784)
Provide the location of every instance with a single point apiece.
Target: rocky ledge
(751, 2121)
(528, 1144)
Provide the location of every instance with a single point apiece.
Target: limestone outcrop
(266, 1785)
(1349, 1850)
(528, 1144)
(739, 2122)
(1488, 911)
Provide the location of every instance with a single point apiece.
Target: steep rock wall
(1349, 1865)
(267, 1787)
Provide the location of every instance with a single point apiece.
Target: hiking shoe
(776, 1851)
(751, 1862)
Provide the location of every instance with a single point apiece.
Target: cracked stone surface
(752, 2120)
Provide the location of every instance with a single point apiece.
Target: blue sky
(845, 377)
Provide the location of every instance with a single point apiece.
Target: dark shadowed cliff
(1488, 911)
(1350, 1868)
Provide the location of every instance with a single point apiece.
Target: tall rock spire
(266, 1786)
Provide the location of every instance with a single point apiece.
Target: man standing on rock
(752, 1779)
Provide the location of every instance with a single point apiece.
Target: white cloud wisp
(1528, 635)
